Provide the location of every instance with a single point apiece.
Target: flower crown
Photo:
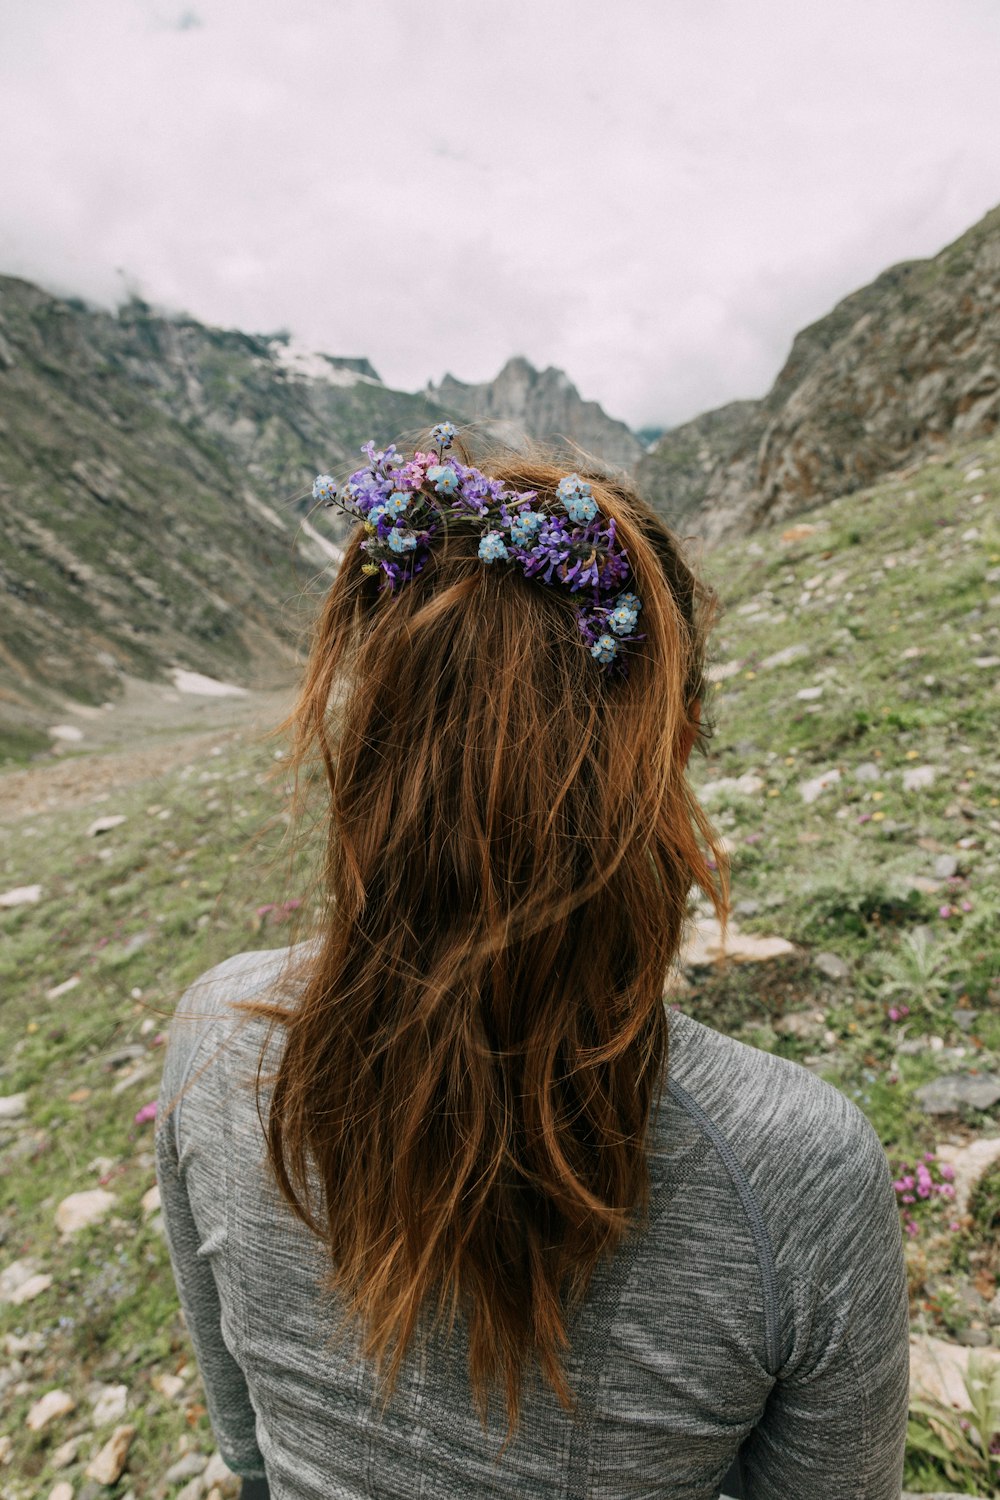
(403, 504)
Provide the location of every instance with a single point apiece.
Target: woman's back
(765, 1301)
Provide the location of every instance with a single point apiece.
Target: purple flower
(947, 1171)
(146, 1113)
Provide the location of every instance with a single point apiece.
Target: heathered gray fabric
(764, 1304)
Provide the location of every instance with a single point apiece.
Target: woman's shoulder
(795, 1136)
(205, 1010)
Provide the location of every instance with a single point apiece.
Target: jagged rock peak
(543, 404)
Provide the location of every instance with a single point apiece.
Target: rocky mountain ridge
(897, 370)
(546, 405)
(155, 479)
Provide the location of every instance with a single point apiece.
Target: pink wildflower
(146, 1113)
(947, 1171)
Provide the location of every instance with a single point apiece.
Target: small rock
(167, 1385)
(186, 1467)
(220, 1476)
(151, 1200)
(970, 1164)
(705, 946)
(721, 671)
(832, 965)
(798, 533)
(109, 1404)
(30, 1289)
(81, 1209)
(66, 1453)
(106, 1468)
(28, 1343)
(21, 895)
(114, 1060)
(747, 907)
(937, 1368)
(806, 1025)
(104, 825)
(784, 656)
(810, 790)
(949, 1094)
(52, 1405)
(6, 1449)
(193, 1490)
(64, 988)
(976, 1338)
(993, 1311)
(809, 693)
(867, 771)
(744, 786)
(66, 732)
(915, 778)
(964, 1019)
(61, 1490)
(14, 1276)
(13, 1106)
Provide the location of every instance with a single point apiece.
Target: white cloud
(653, 196)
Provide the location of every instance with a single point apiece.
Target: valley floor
(854, 773)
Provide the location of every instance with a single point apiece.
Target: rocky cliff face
(896, 370)
(546, 405)
(155, 480)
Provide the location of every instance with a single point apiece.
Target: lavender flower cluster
(914, 1183)
(405, 503)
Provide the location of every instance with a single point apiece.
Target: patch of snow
(335, 554)
(263, 510)
(297, 359)
(204, 687)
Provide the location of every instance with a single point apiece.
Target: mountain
(546, 405)
(155, 479)
(896, 371)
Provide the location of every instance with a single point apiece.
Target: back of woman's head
(478, 1039)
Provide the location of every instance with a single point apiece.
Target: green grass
(141, 911)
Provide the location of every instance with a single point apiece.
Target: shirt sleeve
(835, 1421)
(230, 1409)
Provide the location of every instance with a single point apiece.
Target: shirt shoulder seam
(754, 1215)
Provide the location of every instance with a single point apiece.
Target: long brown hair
(475, 1046)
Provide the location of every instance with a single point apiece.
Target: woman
(495, 1222)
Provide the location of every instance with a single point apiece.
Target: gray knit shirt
(762, 1309)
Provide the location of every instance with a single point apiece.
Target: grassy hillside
(861, 649)
(155, 474)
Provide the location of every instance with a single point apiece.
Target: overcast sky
(653, 195)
